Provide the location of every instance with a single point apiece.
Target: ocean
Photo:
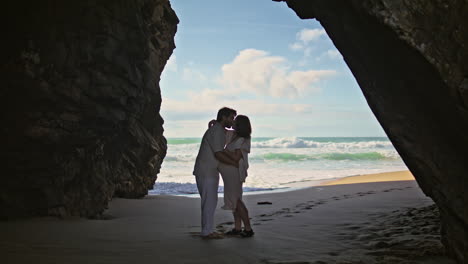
(284, 163)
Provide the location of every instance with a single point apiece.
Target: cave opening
(311, 122)
(91, 72)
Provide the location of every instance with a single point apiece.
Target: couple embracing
(224, 151)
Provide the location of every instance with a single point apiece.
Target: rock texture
(410, 58)
(80, 103)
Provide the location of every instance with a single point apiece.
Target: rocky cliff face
(410, 59)
(80, 103)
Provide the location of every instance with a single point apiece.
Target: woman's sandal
(233, 232)
(246, 233)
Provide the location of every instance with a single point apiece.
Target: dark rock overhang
(410, 59)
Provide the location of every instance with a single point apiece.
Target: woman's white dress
(233, 177)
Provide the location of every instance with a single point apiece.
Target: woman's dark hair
(243, 127)
(225, 111)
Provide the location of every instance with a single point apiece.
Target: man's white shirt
(213, 141)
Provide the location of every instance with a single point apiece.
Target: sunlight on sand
(378, 177)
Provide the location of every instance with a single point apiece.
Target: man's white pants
(208, 188)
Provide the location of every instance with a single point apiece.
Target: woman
(237, 149)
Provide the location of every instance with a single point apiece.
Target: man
(206, 168)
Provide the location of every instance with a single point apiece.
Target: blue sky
(261, 59)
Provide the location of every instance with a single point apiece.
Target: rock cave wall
(81, 98)
(80, 103)
(410, 59)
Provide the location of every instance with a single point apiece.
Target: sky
(259, 58)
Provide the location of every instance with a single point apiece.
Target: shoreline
(391, 176)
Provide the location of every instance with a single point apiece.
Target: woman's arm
(224, 158)
(235, 155)
(211, 123)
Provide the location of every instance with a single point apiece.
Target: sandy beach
(379, 218)
(378, 177)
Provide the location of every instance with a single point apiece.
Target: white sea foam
(288, 161)
(171, 188)
(295, 142)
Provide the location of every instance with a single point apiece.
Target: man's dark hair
(243, 127)
(225, 111)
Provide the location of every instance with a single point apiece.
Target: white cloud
(333, 54)
(190, 74)
(296, 46)
(171, 64)
(185, 128)
(307, 51)
(246, 84)
(304, 37)
(191, 118)
(308, 35)
(255, 71)
(209, 101)
(301, 80)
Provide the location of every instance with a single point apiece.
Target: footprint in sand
(104, 217)
(219, 235)
(292, 262)
(194, 234)
(222, 227)
(345, 224)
